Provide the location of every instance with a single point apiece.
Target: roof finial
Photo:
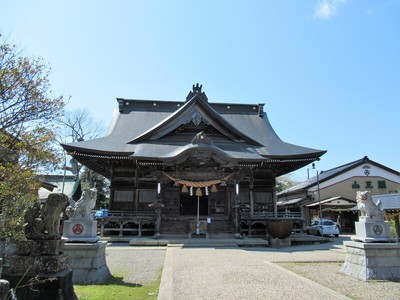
(197, 88)
(196, 91)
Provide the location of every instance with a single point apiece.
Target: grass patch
(117, 288)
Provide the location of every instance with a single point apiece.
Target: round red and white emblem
(77, 229)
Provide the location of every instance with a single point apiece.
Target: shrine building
(191, 161)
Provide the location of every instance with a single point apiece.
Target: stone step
(181, 226)
(221, 227)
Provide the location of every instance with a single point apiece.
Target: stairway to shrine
(181, 226)
(220, 227)
(174, 227)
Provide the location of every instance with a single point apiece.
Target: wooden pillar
(274, 197)
(136, 178)
(236, 213)
(397, 224)
(158, 224)
(140, 229)
(121, 228)
(158, 207)
(251, 193)
(249, 227)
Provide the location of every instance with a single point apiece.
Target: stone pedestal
(372, 261)
(4, 285)
(200, 230)
(41, 264)
(275, 242)
(35, 265)
(88, 261)
(57, 286)
(38, 248)
(369, 232)
(4, 289)
(80, 231)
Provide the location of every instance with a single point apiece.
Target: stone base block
(88, 261)
(83, 229)
(55, 286)
(82, 239)
(4, 290)
(40, 247)
(372, 261)
(35, 265)
(370, 232)
(275, 242)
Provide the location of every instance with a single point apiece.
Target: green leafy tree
(27, 110)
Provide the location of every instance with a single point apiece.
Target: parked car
(98, 214)
(328, 227)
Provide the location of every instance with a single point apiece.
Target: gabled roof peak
(196, 91)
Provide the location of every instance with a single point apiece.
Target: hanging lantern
(185, 189)
(214, 189)
(198, 192)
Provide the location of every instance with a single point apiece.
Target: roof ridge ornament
(196, 90)
(197, 118)
(201, 138)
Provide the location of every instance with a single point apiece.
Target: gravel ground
(329, 275)
(297, 272)
(135, 265)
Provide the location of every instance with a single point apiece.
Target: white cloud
(325, 9)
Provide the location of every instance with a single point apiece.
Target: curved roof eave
(160, 151)
(70, 148)
(289, 151)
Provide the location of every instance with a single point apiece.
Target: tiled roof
(324, 175)
(133, 124)
(388, 201)
(162, 132)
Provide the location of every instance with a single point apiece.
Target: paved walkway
(243, 273)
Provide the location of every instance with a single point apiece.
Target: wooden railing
(270, 215)
(130, 222)
(122, 213)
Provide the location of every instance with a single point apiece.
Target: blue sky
(327, 71)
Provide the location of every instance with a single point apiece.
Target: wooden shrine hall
(193, 166)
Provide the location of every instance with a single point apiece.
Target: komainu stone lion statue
(43, 221)
(369, 210)
(82, 209)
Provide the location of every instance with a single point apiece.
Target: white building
(337, 188)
